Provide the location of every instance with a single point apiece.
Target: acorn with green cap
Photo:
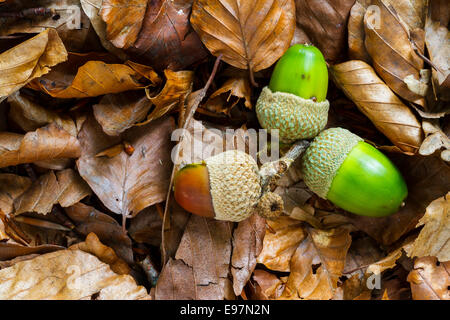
(295, 101)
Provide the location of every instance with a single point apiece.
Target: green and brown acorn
(352, 174)
(295, 101)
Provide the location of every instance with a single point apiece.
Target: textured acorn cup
(224, 187)
(355, 176)
(295, 100)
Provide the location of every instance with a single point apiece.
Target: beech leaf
(430, 280)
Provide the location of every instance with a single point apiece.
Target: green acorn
(295, 100)
(355, 176)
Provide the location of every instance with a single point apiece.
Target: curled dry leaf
(250, 34)
(356, 35)
(66, 275)
(46, 143)
(267, 285)
(87, 219)
(65, 188)
(373, 98)
(30, 116)
(434, 238)
(430, 280)
(118, 112)
(325, 22)
(247, 245)
(280, 242)
(201, 266)
(10, 251)
(11, 187)
(166, 39)
(128, 17)
(177, 87)
(386, 263)
(29, 60)
(95, 78)
(127, 184)
(389, 46)
(317, 264)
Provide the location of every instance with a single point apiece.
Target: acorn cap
(295, 118)
(325, 156)
(234, 185)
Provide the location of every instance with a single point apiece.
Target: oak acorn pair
(338, 165)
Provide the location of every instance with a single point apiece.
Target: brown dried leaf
(29, 60)
(433, 239)
(280, 243)
(250, 35)
(68, 275)
(362, 253)
(46, 143)
(65, 188)
(317, 264)
(127, 17)
(356, 35)
(118, 112)
(201, 268)
(146, 227)
(127, 184)
(430, 280)
(11, 187)
(427, 178)
(166, 39)
(30, 116)
(247, 245)
(268, 286)
(373, 98)
(325, 22)
(177, 87)
(94, 78)
(386, 263)
(390, 48)
(87, 219)
(10, 251)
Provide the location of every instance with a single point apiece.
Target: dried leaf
(46, 143)
(268, 285)
(280, 243)
(317, 264)
(127, 184)
(325, 22)
(128, 18)
(146, 227)
(430, 280)
(390, 48)
(29, 60)
(10, 251)
(433, 239)
(68, 275)
(65, 188)
(201, 268)
(356, 35)
(250, 35)
(373, 98)
(386, 263)
(118, 112)
(177, 87)
(247, 245)
(11, 187)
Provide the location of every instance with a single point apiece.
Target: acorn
(295, 101)
(224, 187)
(352, 174)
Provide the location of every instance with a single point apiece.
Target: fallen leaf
(11, 187)
(268, 285)
(317, 264)
(128, 17)
(250, 35)
(66, 275)
(373, 98)
(386, 263)
(29, 60)
(325, 22)
(10, 251)
(280, 243)
(65, 187)
(166, 39)
(118, 112)
(127, 184)
(389, 46)
(46, 143)
(356, 35)
(430, 280)
(177, 87)
(363, 252)
(433, 239)
(247, 245)
(146, 227)
(201, 266)
(87, 219)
